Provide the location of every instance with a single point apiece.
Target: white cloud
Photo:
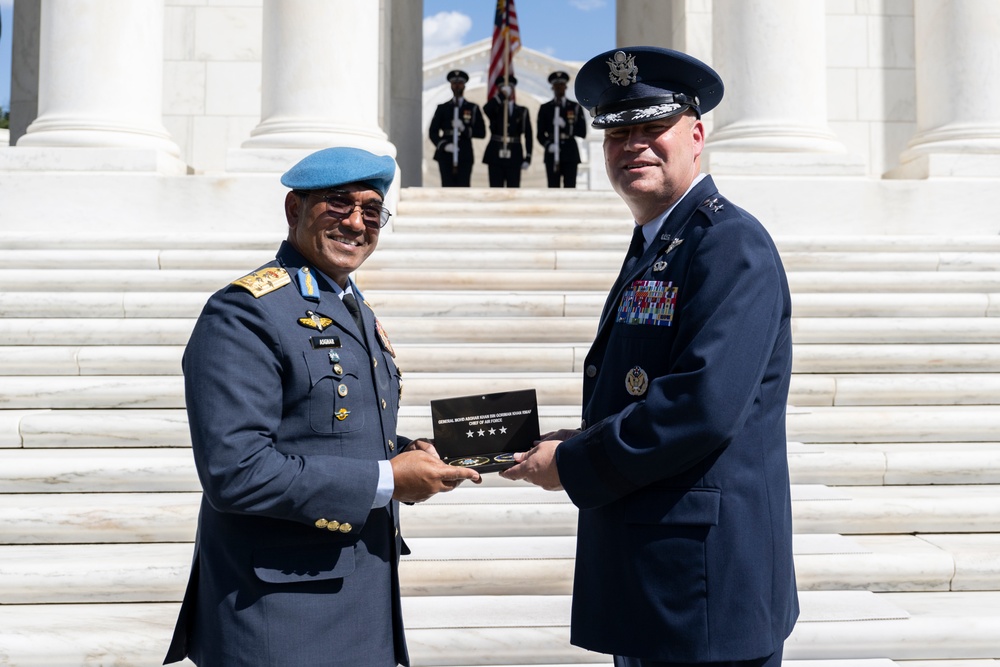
(588, 5)
(443, 32)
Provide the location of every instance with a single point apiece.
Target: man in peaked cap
(292, 398)
(560, 121)
(679, 470)
(452, 129)
(508, 121)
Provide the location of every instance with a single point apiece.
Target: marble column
(100, 88)
(321, 68)
(958, 99)
(772, 59)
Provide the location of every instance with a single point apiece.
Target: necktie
(355, 310)
(634, 249)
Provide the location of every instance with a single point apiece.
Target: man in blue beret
(453, 127)
(292, 396)
(679, 470)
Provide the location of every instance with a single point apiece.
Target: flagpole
(505, 149)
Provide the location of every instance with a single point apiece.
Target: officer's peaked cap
(637, 84)
(558, 77)
(458, 75)
(510, 79)
(331, 167)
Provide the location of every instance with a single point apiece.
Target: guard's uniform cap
(510, 79)
(558, 77)
(331, 167)
(637, 84)
(457, 75)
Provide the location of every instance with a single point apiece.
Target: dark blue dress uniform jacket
(684, 549)
(440, 132)
(292, 567)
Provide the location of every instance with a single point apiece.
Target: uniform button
(384, 404)
(591, 371)
(374, 362)
(392, 446)
(338, 369)
(333, 525)
(342, 390)
(321, 523)
(345, 527)
(583, 424)
(397, 531)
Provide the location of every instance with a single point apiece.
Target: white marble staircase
(894, 423)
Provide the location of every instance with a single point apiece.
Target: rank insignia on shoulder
(263, 281)
(315, 321)
(384, 338)
(713, 204)
(636, 381)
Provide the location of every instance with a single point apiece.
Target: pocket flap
(289, 564)
(683, 507)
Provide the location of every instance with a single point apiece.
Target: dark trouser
(505, 174)
(567, 171)
(455, 177)
(773, 660)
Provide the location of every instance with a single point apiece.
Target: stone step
(146, 428)
(167, 391)
(480, 304)
(398, 278)
(500, 511)
(511, 330)
(462, 566)
(848, 464)
(833, 625)
(31, 360)
(405, 251)
(162, 469)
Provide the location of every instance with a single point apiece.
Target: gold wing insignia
(264, 281)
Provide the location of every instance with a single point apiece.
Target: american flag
(506, 42)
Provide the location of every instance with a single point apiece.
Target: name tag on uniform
(648, 302)
(324, 341)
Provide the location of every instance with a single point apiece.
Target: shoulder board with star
(263, 281)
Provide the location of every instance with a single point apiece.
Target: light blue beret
(331, 167)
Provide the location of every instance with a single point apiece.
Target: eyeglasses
(340, 205)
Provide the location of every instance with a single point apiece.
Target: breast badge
(315, 321)
(636, 381)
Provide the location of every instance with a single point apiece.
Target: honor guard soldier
(560, 121)
(454, 125)
(292, 396)
(679, 469)
(508, 122)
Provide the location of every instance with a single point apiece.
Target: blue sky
(564, 29)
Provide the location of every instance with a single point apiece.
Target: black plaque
(482, 431)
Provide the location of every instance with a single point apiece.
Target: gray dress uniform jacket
(292, 566)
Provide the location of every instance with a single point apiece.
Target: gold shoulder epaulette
(264, 281)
